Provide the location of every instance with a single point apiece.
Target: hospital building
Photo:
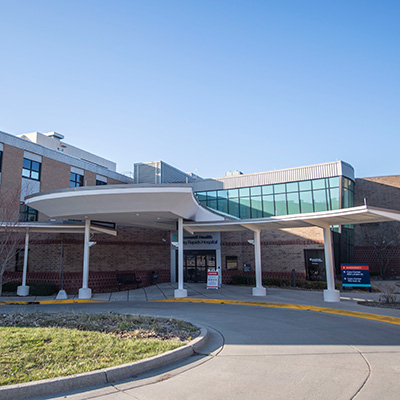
(83, 224)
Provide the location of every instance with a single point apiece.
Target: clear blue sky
(208, 85)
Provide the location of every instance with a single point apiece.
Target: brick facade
(133, 250)
(378, 240)
(281, 251)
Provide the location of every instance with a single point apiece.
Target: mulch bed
(380, 305)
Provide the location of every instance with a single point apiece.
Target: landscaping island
(38, 346)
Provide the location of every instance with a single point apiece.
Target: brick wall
(111, 181)
(89, 178)
(54, 175)
(132, 250)
(383, 192)
(281, 251)
(11, 174)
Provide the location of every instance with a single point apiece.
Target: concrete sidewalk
(164, 291)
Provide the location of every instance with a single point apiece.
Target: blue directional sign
(355, 275)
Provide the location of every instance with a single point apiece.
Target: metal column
(259, 290)
(85, 292)
(23, 290)
(180, 292)
(330, 294)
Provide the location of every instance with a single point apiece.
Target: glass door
(196, 263)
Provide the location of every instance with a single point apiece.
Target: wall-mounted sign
(202, 241)
(355, 275)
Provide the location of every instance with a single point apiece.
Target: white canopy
(346, 216)
(155, 206)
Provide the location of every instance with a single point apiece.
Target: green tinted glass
(351, 199)
(293, 203)
(320, 200)
(223, 205)
(318, 184)
(245, 208)
(268, 189)
(233, 193)
(306, 202)
(244, 192)
(335, 197)
(280, 188)
(211, 196)
(268, 206)
(280, 204)
(222, 194)
(212, 204)
(256, 207)
(255, 191)
(334, 182)
(201, 196)
(233, 207)
(292, 187)
(305, 185)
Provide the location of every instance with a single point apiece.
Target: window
(19, 260)
(231, 262)
(27, 214)
(1, 159)
(320, 203)
(256, 207)
(293, 203)
(75, 180)
(280, 204)
(268, 206)
(245, 207)
(306, 202)
(281, 198)
(31, 169)
(100, 179)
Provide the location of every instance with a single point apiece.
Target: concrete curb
(348, 313)
(104, 376)
(29, 302)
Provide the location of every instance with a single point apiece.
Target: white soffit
(54, 227)
(346, 216)
(147, 206)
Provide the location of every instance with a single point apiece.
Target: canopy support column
(180, 292)
(23, 290)
(85, 292)
(259, 290)
(330, 294)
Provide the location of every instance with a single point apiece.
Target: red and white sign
(355, 267)
(212, 279)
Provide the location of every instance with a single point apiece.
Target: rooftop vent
(54, 135)
(233, 173)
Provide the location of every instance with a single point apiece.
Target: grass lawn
(39, 346)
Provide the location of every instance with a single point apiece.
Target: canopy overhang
(347, 216)
(155, 206)
(55, 227)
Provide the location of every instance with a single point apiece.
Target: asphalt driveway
(261, 353)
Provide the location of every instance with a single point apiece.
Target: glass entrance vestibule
(200, 253)
(196, 263)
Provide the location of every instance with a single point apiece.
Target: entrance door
(196, 263)
(315, 265)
